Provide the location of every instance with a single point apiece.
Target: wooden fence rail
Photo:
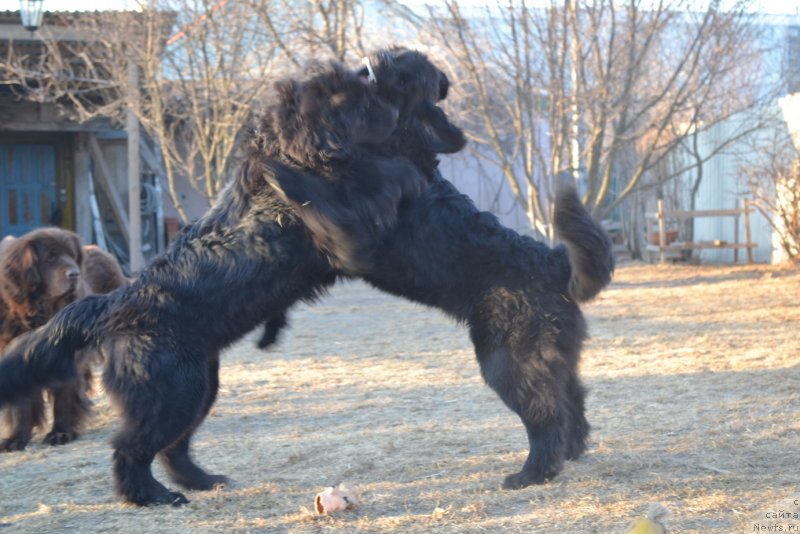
(663, 246)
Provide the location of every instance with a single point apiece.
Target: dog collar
(371, 78)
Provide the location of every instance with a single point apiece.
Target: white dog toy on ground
(335, 499)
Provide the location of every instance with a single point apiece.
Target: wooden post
(103, 185)
(736, 237)
(83, 213)
(747, 235)
(662, 232)
(134, 187)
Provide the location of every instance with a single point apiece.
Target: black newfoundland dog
(518, 296)
(246, 260)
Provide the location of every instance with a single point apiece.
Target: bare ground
(694, 377)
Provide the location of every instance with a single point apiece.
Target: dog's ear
(444, 85)
(295, 139)
(20, 275)
(438, 134)
(286, 90)
(75, 248)
(337, 117)
(307, 125)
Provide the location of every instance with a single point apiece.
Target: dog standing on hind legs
(246, 260)
(518, 297)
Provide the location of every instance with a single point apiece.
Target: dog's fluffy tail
(588, 245)
(46, 356)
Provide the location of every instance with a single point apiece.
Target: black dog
(344, 176)
(306, 134)
(247, 259)
(421, 124)
(518, 296)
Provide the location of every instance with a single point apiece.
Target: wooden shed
(56, 171)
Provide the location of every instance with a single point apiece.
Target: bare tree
(317, 29)
(773, 174)
(199, 70)
(596, 89)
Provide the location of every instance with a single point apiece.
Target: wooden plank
(46, 32)
(747, 236)
(662, 231)
(660, 216)
(134, 176)
(150, 158)
(688, 214)
(97, 222)
(83, 217)
(703, 245)
(736, 236)
(102, 177)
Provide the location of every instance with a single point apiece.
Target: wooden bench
(664, 246)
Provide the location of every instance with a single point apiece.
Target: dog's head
(325, 118)
(411, 83)
(40, 269)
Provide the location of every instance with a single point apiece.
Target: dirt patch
(694, 378)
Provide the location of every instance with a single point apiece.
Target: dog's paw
(161, 498)
(204, 483)
(524, 479)
(176, 499)
(60, 438)
(13, 444)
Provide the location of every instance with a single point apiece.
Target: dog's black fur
(518, 296)
(246, 260)
(414, 91)
(307, 134)
(420, 124)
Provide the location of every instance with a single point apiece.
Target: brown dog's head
(40, 272)
(323, 119)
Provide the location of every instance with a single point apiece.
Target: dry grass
(695, 404)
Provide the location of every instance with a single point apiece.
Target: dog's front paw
(60, 438)
(13, 444)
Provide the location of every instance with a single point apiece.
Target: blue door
(27, 187)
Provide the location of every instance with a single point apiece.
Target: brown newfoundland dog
(40, 273)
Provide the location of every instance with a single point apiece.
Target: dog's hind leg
(529, 387)
(272, 328)
(70, 408)
(176, 458)
(67, 410)
(577, 430)
(21, 417)
(158, 408)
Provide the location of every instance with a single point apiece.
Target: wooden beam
(51, 126)
(662, 231)
(15, 32)
(736, 236)
(134, 176)
(102, 177)
(687, 214)
(151, 159)
(699, 245)
(747, 236)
